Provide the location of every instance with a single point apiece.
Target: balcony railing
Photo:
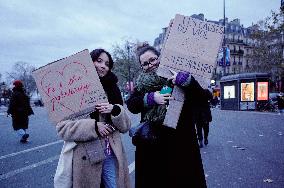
(237, 52)
(234, 41)
(239, 63)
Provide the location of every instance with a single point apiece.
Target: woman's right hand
(104, 129)
(161, 98)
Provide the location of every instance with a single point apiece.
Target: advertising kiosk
(244, 91)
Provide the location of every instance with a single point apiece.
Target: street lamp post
(224, 41)
(282, 63)
(282, 43)
(128, 61)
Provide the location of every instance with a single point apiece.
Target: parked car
(4, 101)
(273, 96)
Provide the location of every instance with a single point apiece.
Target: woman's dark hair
(97, 52)
(141, 49)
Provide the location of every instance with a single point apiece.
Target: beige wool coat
(85, 173)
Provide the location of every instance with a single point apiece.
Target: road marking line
(131, 167)
(31, 149)
(20, 170)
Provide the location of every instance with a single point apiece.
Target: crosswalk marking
(31, 149)
(7, 175)
(21, 170)
(131, 167)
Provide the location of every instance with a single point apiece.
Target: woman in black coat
(204, 118)
(20, 110)
(173, 159)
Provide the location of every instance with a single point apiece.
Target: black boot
(206, 141)
(24, 138)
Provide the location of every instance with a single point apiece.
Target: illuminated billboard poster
(247, 91)
(229, 92)
(262, 91)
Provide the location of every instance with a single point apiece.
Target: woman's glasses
(150, 61)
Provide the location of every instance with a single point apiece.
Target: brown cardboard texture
(70, 87)
(192, 46)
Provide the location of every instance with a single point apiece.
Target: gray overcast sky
(39, 32)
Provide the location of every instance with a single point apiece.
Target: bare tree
(23, 71)
(267, 52)
(126, 67)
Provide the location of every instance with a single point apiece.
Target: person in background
(20, 110)
(204, 118)
(280, 101)
(173, 159)
(104, 127)
(214, 101)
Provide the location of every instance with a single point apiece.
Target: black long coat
(20, 109)
(174, 161)
(204, 106)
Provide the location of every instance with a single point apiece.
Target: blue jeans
(109, 171)
(21, 132)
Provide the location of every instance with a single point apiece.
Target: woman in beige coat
(99, 159)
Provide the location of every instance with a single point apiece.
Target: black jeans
(202, 125)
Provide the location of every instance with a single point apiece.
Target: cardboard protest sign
(192, 46)
(70, 87)
(174, 108)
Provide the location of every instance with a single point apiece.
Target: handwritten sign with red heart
(70, 87)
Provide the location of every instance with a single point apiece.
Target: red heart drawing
(62, 85)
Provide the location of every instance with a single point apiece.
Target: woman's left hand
(173, 77)
(104, 108)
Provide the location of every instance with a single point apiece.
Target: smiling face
(149, 61)
(102, 64)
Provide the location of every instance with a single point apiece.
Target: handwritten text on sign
(191, 46)
(69, 86)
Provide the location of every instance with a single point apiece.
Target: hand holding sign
(104, 129)
(104, 108)
(161, 98)
(173, 77)
(191, 45)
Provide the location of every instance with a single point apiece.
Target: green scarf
(151, 82)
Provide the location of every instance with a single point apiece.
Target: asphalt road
(245, 150)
